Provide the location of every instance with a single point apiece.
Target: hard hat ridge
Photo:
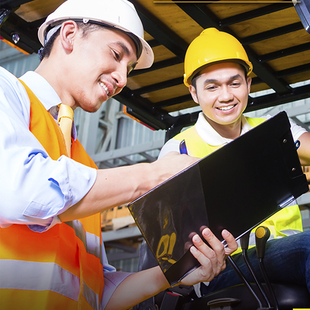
(210, 47)
(119, 14)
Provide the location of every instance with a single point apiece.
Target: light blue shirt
(34, 189)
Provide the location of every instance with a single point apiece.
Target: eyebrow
(236, 76)
(127, 52)
(124, 47)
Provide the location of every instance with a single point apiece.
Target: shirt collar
(45, 93)
(42, 89)
(212, 137)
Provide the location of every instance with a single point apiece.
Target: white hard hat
(120, 14)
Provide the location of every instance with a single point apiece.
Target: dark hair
(86, 28)
(45, 51)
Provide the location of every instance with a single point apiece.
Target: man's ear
(68, 32)
(193, 92)
(249, 81)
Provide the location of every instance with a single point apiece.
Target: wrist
(149, 177)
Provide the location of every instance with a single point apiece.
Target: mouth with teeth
(105, 88)
(226, 108)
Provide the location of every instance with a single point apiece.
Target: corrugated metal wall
(15, 61)
(128, 132)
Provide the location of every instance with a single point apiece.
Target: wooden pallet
(116, 218)
(306, 170)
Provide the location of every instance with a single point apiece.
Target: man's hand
(170, 164)
(212, 258)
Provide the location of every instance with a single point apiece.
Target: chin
(92, 107)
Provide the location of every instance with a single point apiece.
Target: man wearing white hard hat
(51, 254)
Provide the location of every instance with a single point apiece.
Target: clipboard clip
(287, 202)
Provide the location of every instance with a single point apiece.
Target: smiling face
(222, 92)
(96, 66)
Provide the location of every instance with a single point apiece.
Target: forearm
(117, 186)
(304, 149)
(144, 284)
(112, 187)
(138, 287)
(34, 196)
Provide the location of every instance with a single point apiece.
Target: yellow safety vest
(60, 268)
(285, 222)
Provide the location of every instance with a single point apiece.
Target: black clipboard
(236, 187)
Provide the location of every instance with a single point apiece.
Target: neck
(228, 131)
(52, 72)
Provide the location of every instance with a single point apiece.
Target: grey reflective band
(37, 276)
(290, 232)
(91, 297)
(91, 242)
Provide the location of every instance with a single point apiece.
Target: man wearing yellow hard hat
(217, 72)
(51, 252)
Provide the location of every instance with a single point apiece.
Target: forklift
(276, 37)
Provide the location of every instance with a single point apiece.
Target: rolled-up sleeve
(111, 281)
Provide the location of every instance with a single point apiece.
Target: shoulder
(171, 145)
(8, 80)
(10, 84)
(13, 95)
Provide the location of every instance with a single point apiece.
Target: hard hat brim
(145, 60)
(120, 14)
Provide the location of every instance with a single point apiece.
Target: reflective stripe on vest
(284, 223)
(91, 242)
(61, 267)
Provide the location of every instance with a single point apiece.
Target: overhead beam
(138, 106)
(295, 70)
(142, 109)
(27, 33)
(225, 22)
(270, 100)
(173, 101)
(163, 34)
(285, 52)
(207, 19)
(12, 3)
(158, 86)
(271, 33)
(158, 65)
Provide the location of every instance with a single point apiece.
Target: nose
(120, 77)
(225, 94)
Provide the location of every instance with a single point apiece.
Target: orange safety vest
(60, 268)
(284, 223)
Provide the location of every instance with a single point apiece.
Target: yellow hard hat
(213, 46)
